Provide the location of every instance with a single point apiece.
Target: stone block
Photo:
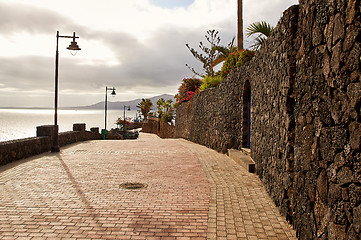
(45, 131)
(94, 129)
(336, 231)
(242, 159)
(357, 219)
(322, 187)
(355, 135)
(80, 127)
(338, 29)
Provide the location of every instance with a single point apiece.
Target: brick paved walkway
(192, 193)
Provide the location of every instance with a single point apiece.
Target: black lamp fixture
(73, 47)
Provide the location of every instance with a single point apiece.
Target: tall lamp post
(124, 125)
(73, 47)
(106, 104)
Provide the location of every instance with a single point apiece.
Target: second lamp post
(106, 104)
(124, 123)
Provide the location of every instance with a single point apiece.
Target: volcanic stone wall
(327, 162)
(304, 93)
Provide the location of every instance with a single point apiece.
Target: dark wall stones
(305, 117)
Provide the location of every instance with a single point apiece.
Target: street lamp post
(74, 47)
(106, 104)
(124, 125)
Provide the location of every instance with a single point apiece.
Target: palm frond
(259, 28)
(218, 60)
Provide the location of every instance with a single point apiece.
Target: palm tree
(160, 106)
(145, 106)
(168, 105)
(223, 52)
(240, 25)
(262, 30)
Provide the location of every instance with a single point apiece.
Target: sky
(136, 46)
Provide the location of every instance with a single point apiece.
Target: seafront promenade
(187, 192)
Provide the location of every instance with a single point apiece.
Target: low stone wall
(162, 129)
(18, 149)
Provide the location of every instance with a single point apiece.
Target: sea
(22, 123)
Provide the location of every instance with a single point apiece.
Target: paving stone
(192, 193)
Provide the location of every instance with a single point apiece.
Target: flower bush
(235, 60)
(188, 88)
(209, 81)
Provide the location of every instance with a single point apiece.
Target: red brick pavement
(76, 194)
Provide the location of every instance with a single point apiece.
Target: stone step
(246, 151)
(242, 159)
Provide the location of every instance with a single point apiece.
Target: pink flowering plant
(188, 88)
(236, 59)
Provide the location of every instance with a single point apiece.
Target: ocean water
(22, 123)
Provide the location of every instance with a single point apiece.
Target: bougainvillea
(188, 88)
(235, 60)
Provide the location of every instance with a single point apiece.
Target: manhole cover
(129, 185)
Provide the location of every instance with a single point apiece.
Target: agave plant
(262, 30)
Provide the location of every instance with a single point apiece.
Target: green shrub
(208, 82)
(235, 60)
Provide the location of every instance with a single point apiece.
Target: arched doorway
(246, 126)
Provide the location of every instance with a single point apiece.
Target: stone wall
(162, 129)
(303, 91)
(327, 162)
(18, 149)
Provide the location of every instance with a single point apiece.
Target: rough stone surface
(305, 117)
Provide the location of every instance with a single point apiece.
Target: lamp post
(124, 125)
(74, 47)
(106, 104)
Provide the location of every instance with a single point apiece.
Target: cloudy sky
(137, 46)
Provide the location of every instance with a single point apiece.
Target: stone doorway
(246, 126)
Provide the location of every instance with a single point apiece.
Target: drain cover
(129, 185)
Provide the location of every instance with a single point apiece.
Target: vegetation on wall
(223, 52)
(261, 30)
(188, 88)
(209, 82)
(209, 54)
(235, 60)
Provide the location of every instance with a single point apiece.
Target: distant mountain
(120, 105)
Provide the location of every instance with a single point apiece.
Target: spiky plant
(262, 30)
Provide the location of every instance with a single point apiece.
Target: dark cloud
(19, 18)
(157, 62)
